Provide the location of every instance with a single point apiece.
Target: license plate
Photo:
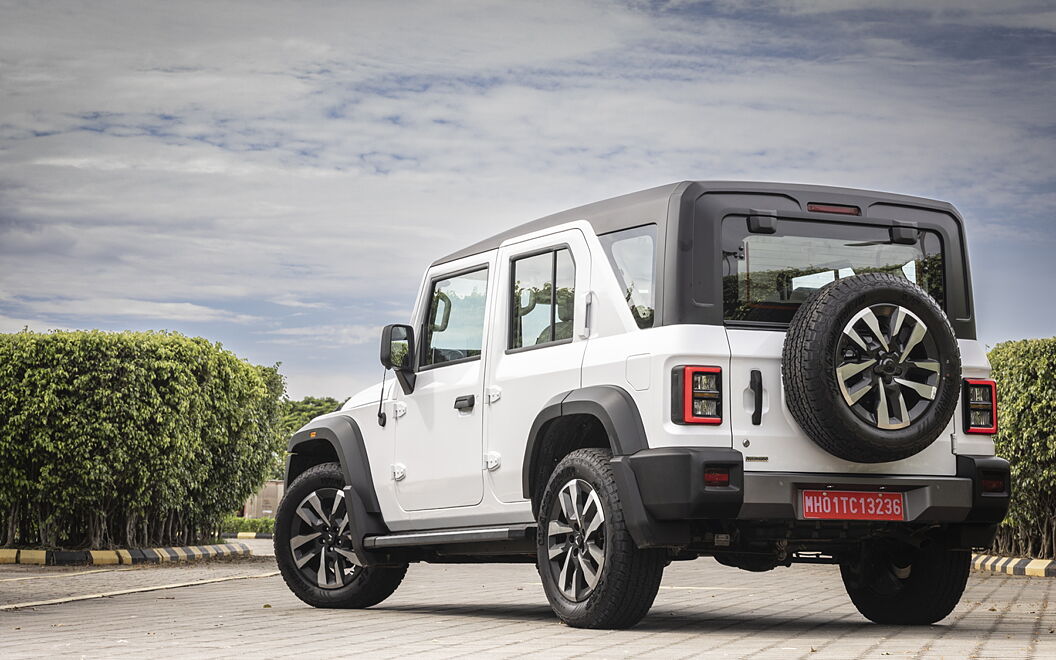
(852, 505)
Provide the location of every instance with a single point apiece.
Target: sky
(276, 176)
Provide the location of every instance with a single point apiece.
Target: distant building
(265, 502)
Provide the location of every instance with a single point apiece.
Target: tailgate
(776, 443)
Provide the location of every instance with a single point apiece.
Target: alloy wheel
(887, 369)
(320, 539)
(576, 540)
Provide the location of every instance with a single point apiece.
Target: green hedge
(1025, 372)
(129, 439)
(236, 524)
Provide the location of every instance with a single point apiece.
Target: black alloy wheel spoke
(575, 538)
(319, 540)
(888, 367)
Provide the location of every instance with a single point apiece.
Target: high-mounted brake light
(833, 208)
(696, 395)
(980, 406)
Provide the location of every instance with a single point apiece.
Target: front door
(439, 435)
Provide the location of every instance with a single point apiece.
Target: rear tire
(346, 585)
(593, 574)
(895, 584)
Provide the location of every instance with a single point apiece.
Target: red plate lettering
(851, 505)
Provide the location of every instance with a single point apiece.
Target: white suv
(761, 373)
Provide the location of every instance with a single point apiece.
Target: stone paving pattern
(21, 584)
(703, 609)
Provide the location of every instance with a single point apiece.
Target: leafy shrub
(1025, 372)
(129, 439)
(234, 524)
(296, 414)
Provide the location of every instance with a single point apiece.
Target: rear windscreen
(767, 276)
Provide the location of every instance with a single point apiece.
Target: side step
(444, 536)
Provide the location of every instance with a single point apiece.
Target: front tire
(593, 574)
(313, 546)
(892, 583)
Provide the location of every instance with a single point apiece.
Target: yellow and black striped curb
(1015, 565)
(122, 557)
(249, 535)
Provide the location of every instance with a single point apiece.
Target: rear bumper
(775, 495)
(663, 490)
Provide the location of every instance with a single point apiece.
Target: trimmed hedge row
(236, 524)
(145, 439)
(1025, 372)
(129, 439)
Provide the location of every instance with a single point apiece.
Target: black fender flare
(613, 406)
(344, 437)
(342, 434)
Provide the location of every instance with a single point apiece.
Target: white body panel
(670, 346)
(521, 382)
(438, 448)
(778, 443)
(974, 364)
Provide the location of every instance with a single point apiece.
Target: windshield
(767, 276)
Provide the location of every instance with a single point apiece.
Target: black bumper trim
(986, 507)
(775, 495)
(662, 490)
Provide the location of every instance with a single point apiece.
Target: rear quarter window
(632, 255)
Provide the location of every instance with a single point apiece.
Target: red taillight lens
(992, 483)
(697, 395)
(716, 476)
(980, 406)
(834, 208)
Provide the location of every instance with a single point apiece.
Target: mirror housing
(397, 353)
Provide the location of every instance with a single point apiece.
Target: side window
(632, 253)
(454, 327)
(537, 315)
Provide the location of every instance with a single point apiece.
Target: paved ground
(703, 609)
(259, 547)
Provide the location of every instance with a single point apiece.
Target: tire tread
(371, 585)
(631, 576)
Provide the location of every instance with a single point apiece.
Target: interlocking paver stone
(500, 611)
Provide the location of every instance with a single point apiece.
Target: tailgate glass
(767, 276)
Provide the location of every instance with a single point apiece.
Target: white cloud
(189, 162)
(140, 309)
(325, 336)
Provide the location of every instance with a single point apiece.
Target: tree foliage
(129, 439)
(296, 414)
(1025, 372)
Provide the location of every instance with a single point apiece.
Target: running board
(444, 536)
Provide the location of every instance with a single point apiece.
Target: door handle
(756, 385)
(465, 402)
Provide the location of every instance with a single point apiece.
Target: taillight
(980, 406)
(992, 482)
(697, 393)
(717, 476)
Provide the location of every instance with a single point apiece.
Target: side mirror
(397, 353)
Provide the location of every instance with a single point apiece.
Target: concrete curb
(1014, 565)
(252, 535)
(122, 557)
